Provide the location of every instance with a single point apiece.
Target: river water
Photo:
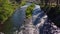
(17, 19)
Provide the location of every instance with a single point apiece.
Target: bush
(23, 2)
(29, 10)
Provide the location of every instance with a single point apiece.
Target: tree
(57, 2)
(46, 1)
(6, 9)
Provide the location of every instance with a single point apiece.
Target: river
(14, 23)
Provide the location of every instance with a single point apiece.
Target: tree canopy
(6, 10)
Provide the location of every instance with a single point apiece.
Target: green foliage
(29, 10)
(23, 2)
(6, 10)
(8, 27)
